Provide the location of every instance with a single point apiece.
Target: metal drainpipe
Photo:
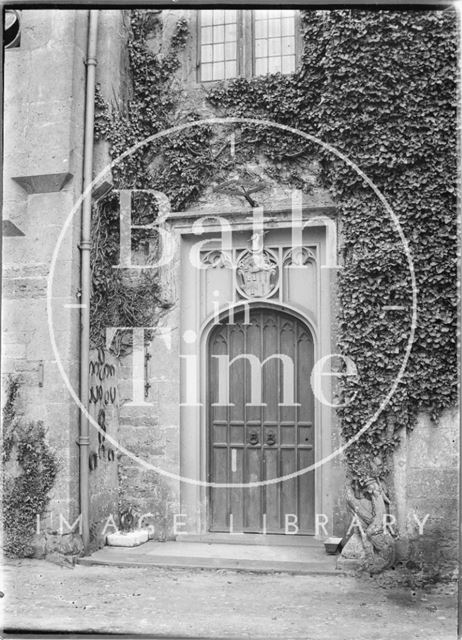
(85, 244)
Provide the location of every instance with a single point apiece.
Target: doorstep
(260, 558)
(270, 539)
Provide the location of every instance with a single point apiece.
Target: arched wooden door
(250, 443)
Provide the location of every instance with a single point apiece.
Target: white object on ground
(127, 538)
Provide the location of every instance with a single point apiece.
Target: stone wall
(43, 125)
(425, 483)
(151, 432)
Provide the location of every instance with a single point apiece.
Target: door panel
(250, 443)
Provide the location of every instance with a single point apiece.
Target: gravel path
(40, 595)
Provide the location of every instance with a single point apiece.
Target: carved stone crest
(257, 274)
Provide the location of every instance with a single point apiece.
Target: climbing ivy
(380, 86)
(389, 102)
(29, 472)
(117, 299)
(178, 167)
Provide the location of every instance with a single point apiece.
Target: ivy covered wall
(380, 86)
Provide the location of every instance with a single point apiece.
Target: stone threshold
(234, 557)
(273, 539)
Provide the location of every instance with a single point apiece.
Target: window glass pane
(218, 43)
(206, 35)
(230, 69)
(261, 29)
(206, 17)
(207, 53)
(274, 28)
(218, 52)
(230, 15)
(206, 72)
(230, 51)
(219, 34)
(261, 48)
(230, 32)
(287, 27)
(274, 32)
(218, 70)
(288, 64)
(274, 65)
(288, 46)
(218, 16)
(274, 47)
(261, 66)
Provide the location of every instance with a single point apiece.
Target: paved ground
(40, 595)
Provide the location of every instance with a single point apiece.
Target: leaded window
(218, 44)
(235, 42)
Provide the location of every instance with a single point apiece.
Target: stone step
(252, 539)
(254, 558)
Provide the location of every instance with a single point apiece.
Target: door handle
(271, 439)
(253, 439)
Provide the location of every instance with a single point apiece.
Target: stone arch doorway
(258, 427)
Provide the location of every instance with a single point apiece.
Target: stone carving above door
(217, 259)
(298, 257)
(257, 274)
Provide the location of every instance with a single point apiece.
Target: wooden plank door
(254, 443)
